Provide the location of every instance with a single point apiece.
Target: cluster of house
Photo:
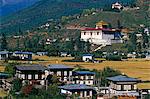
(19, 55)
(82, 83)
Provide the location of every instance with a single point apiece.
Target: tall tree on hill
(18, 42)
(88, 46)
(119, 24)
(145, 39)
(132, 42)
(139, 46)
(3, 42)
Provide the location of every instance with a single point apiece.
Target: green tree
(139, 46)
(132, 42)
(88, 46)
(53, 89)
(17, 85)
(3, 42)
(10, 68)
(108, 72)
(145, 39)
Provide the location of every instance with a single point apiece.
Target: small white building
(87, 57)
(82, 90)
(63, 54)
(117, 6)
(41, 53)
(23, 55)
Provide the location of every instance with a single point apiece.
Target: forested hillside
(44, 10)
(11, 6)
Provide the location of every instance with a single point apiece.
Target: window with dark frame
(122, 87)
(91, 33)
(97, 33)
(88, 93)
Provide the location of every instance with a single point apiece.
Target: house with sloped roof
(5, 55)
(41, 53)
(81, 90)
(23, 55)
(63, 72)
(122, 85)
(83, 77)
(87, 57)
(34, 74)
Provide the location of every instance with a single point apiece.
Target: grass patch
(2, 93)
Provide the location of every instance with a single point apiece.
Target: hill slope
(48, 9)
(10, 6)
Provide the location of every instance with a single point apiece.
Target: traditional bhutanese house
(87, 57)
(23, 55)
(35, 74)
(82, 90)
(63, 72)
(123, 86)
(5, 55)
(83, 77)
(41, 53)
(101, 35)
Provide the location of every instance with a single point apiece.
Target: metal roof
(127, 93)
(76, 87)
(59, 66)
(31, 67)
(4, 75)
(122, 78)
(83, 73)
(5, 52)
(98, 29)
(18, 52)
(87, 55)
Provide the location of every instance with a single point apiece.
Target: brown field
(2, 68)
(139, 68)
(134, 68)
(2, 93)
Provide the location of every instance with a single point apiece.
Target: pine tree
(133, 42)
(3, 42)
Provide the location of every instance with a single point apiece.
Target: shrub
(113, 57)
(124, 57)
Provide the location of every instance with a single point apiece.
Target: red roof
(96, 29)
